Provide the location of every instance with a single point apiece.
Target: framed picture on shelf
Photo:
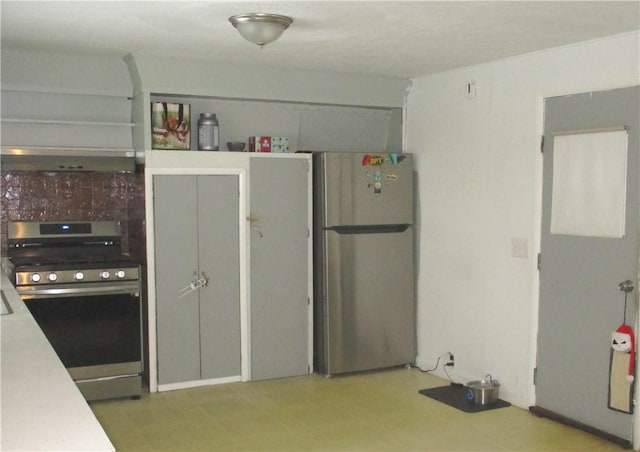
(170, 126)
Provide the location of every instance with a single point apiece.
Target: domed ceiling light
(260, 28)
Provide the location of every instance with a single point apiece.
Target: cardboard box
(268, 144)
(259, 144)
(279, 144)
(170, 126)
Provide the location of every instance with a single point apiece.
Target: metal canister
(208, 132)
(483, 392)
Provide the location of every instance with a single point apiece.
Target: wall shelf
(65, 91)
(7, 149)
(51, 120)
(67, 123)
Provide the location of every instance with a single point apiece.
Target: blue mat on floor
(455, 395)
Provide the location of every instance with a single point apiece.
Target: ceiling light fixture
(260, 28)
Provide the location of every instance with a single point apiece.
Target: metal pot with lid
(483, 392)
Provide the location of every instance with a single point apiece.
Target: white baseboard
(197, 383)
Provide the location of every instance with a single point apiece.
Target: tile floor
(366, 412)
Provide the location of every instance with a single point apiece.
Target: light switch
(471, 88)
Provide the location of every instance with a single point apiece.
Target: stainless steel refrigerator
(364, 297)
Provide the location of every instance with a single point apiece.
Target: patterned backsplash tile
(67, 196)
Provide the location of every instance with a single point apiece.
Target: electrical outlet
(451, 361)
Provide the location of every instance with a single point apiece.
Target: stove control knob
(52, 277)
(78, 276)
(120, 274)
(104, 274)
(35, 277)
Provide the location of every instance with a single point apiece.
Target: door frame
(169, 163)
(537, 243)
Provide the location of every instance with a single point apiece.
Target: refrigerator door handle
(369, 229)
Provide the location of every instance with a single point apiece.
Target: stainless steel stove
(85, 295)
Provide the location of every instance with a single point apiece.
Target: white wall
(479, 176)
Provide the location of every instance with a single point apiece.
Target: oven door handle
(31, 292)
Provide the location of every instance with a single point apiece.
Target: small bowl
(236, 146)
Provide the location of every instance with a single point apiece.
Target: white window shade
(589, 184)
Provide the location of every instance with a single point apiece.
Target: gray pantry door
(279, 267)
(580, 304)
(196, 222)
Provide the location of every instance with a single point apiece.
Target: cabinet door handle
(194, 285)
(204, 281)
(253, 223)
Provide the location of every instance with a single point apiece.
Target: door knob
(626, 286)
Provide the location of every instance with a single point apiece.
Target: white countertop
(42, 408)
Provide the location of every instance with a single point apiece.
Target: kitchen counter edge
(42, 408)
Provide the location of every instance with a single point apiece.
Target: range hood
(36, 158)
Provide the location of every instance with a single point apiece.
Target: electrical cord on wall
(444, 368)
(435, 367)
(448, 376)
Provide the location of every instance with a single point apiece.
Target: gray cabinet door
(279, 267)
(176, 253)
(196, 235)
(218, 216)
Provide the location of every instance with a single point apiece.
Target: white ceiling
(401, 38)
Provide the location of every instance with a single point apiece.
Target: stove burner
(80, 252)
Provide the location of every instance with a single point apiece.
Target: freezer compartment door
(365, 189)
(370, 305)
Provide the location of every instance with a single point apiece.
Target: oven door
(93, 327)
